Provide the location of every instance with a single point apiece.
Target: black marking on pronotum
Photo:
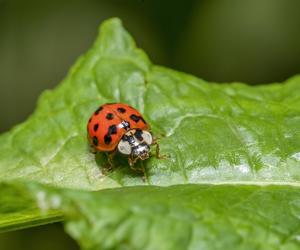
(125, 125)
(98, 110)
(143, 120)
(96, 126)
(107, 139)
(125, 138)
(112, 130)
(135, 117)
(128, 138)
(138, 134)
(95, 140)
(121, 110)
(109, 116)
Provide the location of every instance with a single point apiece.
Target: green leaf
(230, 134)
(178, 217)
(186, 217)
(18, 209)
(212, 133)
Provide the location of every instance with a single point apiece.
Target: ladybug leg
(111, 158)
(145, 177)
(92, 149)
(142, 170)
(157, 150)
(131, 162)
(110, 164)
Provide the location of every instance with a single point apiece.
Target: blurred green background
(254, 41)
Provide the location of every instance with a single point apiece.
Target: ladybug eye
(124, 147)
(147, 137)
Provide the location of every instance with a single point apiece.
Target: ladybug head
(136, 142)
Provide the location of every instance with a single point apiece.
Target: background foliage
(250, 41)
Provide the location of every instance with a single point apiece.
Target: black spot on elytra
(90, 119)
(95, 140)
(98, 110)
(107, 139)
(143, 120)
(96, 126)
(109, 116)
(135, 118)
(112, 130)
(121, 110)
(138, 134)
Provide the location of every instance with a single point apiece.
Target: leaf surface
(212, 133)
(189, 216)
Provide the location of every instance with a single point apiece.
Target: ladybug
(117, 127)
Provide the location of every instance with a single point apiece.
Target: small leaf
(178, 217)
(19, 208)
(186, 217)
